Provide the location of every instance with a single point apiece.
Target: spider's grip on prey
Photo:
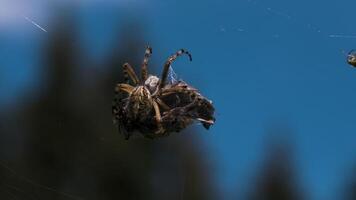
(168, 64)
(154, 108)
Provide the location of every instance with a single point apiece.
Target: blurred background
(275, 70)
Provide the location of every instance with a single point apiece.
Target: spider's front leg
(118, 89)
(129, 72)
(144, 71)
(160, 129)
(117, 108)
(168, 64)
(123, 87)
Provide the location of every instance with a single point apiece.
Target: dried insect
(154, 108)
(351, 58)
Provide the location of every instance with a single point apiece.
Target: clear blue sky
(261, 62)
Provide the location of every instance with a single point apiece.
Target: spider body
(154, 108)
(351, 58)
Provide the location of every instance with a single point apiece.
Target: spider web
(13, 190)
(34, 23)
(172, 76)
(257, 4)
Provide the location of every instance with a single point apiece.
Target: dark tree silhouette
(350, 191)
(73, 150)
(277, 180)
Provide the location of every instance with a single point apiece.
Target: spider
(155, 108)
(351, 58)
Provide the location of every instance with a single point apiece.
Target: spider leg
(168, 64)
(118, 89)
(116, 110)
(123, 87)
(144, 71)
(158, 118)
(129, 72)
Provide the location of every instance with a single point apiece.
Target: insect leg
(144, 71)
(129, 72)
(173, 91)
(179, 88)
(162, 104)
(168, 64)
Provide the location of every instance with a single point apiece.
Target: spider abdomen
(139, 105)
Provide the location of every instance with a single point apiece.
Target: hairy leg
(129, 72)
(158, 118)
(123, 87)
(144, 71)
(168, 64)
(119, 88)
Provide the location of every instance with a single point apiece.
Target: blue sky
(261, 62)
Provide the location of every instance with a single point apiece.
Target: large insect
(154, 108)
(351, 58)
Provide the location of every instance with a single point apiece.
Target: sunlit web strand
(172, 76)
(286, 15)
(3, 165)
(34, 23)
(343, 36)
